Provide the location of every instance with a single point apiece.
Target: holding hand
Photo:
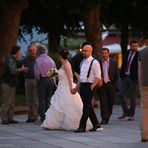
(23, 69)
(73, 90)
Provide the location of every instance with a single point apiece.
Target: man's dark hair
(15, 49)
(133, 41)
(105, 49)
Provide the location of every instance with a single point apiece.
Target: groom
(90, 76)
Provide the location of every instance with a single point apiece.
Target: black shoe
(131, 118)
(30, 120)
(42, 119)
(95, 128)
(144, 140)
(80, 130)
(13, 121)
(5, 122)
(123, 116)
(104, 122)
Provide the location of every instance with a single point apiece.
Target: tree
(128, 16)
(93, 28)
(47, 17)
(10, 13)
(64, 17)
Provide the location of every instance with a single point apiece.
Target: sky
(36, 38)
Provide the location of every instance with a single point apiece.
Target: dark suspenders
(89, 67)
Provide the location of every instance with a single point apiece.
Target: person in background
(30, 84)
(9, 82)
(129, 81)
(45, 84)
(110, 78)
(75, 63)
(143, 82)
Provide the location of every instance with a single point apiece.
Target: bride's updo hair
(64, 53)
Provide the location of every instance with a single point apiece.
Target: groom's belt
(85, 83)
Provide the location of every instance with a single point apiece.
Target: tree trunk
(9, 27)
(53, 42)
(92, 29)
(124, 38)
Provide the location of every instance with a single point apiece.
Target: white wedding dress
(66, 109)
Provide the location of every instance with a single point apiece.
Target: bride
(66, 109)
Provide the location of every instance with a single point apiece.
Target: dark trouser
(31, 97)
(86, 95)
(128, 84)
(8, 102)
(107, 100)
(45, 88)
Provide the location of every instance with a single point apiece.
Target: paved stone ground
(117, 134)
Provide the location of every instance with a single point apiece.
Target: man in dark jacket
(129, 81)
(110, 78)
(8, 85)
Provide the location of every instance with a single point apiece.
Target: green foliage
(72, 43)
(124, 11)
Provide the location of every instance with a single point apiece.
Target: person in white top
(90, 76)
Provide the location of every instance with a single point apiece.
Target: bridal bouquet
(53, 72)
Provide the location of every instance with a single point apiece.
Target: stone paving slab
(117, 134)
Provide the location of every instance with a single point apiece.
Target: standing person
(30, 84)
(129, 81)
(45, 85)
(9, 84)
(75, 62)
(110, 78)
(90, 74)
(66, 109)
(143, 81)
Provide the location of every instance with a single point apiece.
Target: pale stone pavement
(117, 134)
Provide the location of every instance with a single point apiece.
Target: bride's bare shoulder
(67, 64)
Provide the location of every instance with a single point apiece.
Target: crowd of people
(69, 107)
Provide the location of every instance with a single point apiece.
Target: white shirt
(95, 71)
